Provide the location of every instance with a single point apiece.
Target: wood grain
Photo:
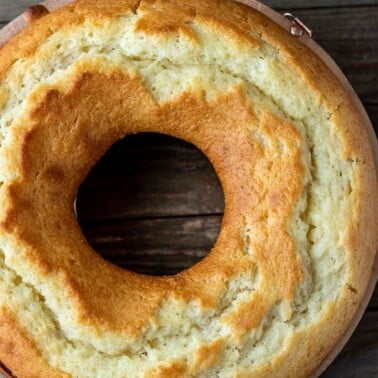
(315, 4)
(155, 246)
(359, 357)
(351, 40)
(151, 175)
(373, 304)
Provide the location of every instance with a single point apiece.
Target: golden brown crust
(57, 140)
(46, 160)
(18, 351)
(206, 357)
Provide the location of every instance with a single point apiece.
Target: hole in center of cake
(153, 204)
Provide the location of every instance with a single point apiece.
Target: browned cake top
(298, 235)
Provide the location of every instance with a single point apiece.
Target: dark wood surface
(153, 204)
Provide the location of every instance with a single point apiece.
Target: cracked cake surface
(298, 236)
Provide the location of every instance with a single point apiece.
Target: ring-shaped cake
(298, 237)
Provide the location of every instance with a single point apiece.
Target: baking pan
(297, 28)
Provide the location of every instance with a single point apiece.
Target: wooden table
(153, 204)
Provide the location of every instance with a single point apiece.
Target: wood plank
(9, 9)
(154, 246)
(359, 357)
(373, 304)
(349, 36)
(151, 175)
(303, 4)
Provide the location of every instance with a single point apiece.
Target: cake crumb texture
(299, 232)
